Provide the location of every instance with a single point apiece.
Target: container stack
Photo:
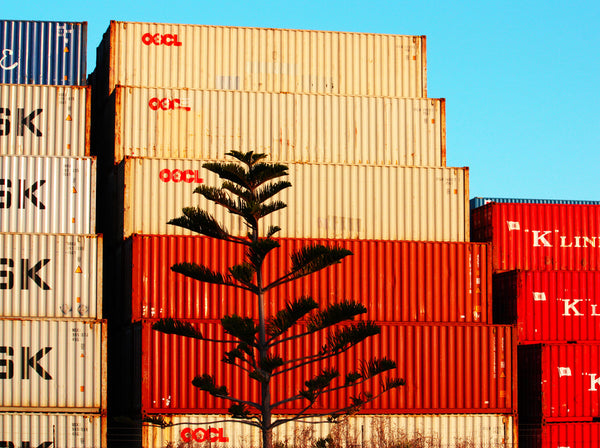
(547, 282)
(348, 113)
(52, 348)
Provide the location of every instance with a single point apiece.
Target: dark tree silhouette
(247, 190)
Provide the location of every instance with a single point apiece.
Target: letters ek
(23, 193)
(22, 122)
(27, 362)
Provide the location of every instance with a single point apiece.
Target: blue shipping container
(50, 53)
(480, 202)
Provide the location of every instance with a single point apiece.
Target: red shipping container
(458, 368)
(540, 236)
(559, 382)
(396, 280)
(549, 306)
(560, 435)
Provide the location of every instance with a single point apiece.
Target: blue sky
(521, 79)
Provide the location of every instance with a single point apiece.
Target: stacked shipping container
(366, 149)
(53, 336)
(547, 282)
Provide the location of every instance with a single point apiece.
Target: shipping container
(447, 431)
(50, 364)
(50, 275)
(549, 306)
(260, 59)
(291, 128)
(52, 430)
(325, 201)
(540, 236)
(396, 280)
(448, 368)
(480, 202)
(560, 435)
(47, 194)
(44, 120)
(51, 53)
(559, 382)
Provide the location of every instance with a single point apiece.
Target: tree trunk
(267, 438)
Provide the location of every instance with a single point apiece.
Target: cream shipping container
(291, 128)
(50, 275)
(51, 364)
(44, 120)
(260, 59)
(443, 430)
(325, 201)
(47, 194)
(43, 430)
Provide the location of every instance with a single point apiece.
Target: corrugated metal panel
(292, 128)
(51, 53)
(395, 280)
(549, 306)
(480, 202)
(50, 275)
(447, 431)
(47, 194)
(53, 430)
(325, 201)
(260, 59)
(456, 368)
(559, 382)
(44, 120)
(560, 435)
(50, 363)
(540, 236)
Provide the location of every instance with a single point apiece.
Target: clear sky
(521, 78)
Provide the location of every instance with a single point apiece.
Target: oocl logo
(161, 39)
(187, 176)
(168, 104)
(203, 435)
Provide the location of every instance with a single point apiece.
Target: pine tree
(247, 190)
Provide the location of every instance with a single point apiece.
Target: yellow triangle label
(78, 270)
(66, 49)
(502, 375)
(74, 190)
(69, 118)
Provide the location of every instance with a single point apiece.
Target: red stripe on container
(459, 368)
(395, 280)
(549, 306)
(540, 236)
(559, 382)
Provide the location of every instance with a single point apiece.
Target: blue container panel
(50, 53)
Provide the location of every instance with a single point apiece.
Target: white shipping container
(325, 201)
(44, 430)
(50, 275)
(292, 128)
(47, 194)
(447, 431)
(44, 120)
(261, 59)
(48, 364)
